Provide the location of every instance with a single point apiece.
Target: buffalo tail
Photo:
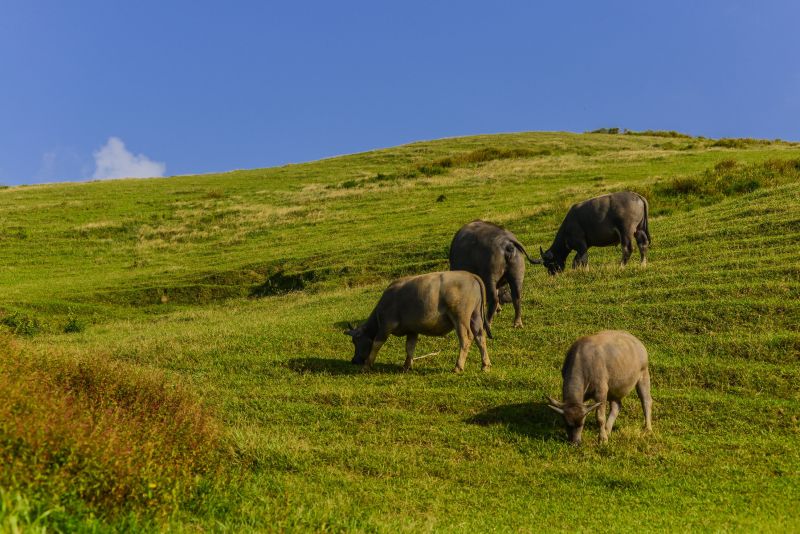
(483, 309)
(519, 247)
(644, 224)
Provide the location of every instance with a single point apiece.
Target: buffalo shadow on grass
(530, 419)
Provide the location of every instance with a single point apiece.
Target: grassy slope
(330, 446)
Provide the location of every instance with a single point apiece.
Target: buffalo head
(574, 417)
(554, 265)
(361, 342)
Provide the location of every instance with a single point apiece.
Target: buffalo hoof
(486, 368)
(518, 324)
(458, 370)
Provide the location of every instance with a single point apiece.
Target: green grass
(236, 287)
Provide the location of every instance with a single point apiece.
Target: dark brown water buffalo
(605, 367)
(430, 304)
(496, 255)
(600, 222)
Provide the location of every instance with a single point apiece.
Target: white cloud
(114, 161)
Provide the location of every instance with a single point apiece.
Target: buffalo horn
(552, 402)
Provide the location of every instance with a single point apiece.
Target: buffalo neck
(574, 383)
(371, 325)
(559, 247)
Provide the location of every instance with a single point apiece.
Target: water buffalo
(605, 367)
(430, 304)
(600, 222)
(496, 255)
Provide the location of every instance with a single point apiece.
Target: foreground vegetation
(173, 355)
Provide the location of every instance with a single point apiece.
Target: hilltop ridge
(178, 342)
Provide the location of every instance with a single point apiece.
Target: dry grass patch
(80, 432)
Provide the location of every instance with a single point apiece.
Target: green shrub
(431, 170)
(660, 133)
(612, 131)
(21, 324)
(682, 185)
(725, 165)
(731, 178)
(744, 142)
(74, 325)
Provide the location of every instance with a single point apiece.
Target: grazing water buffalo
(600, 222)
(605, 367)
(430, 304)
(496, 255)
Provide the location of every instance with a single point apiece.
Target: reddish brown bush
(109, 435)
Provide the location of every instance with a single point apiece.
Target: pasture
(173, 355)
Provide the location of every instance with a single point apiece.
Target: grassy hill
(173, 354)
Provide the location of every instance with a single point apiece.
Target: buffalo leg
(601, 415)
(643, 243)
(376, 346)
(411, 344)
(643, 390)
(476, 325)
(464, 341)
(616, 406)
(581, 258)
(492, 299)
(626, 240)
(486, 363)
(516, 298)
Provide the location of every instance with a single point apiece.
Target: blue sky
(97, 88)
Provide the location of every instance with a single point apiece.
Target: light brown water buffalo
(605, 367)
(600, 222)
(497, 256)
(430, 304)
